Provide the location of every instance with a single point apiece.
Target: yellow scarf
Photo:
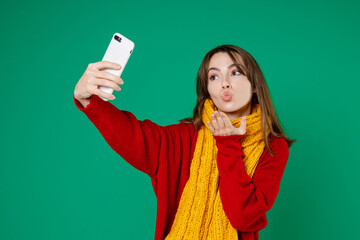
(200, 214)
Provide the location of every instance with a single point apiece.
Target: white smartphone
(118, 51)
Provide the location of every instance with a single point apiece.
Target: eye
(212, 77)
(237, 72)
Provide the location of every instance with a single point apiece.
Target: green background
(60, 180)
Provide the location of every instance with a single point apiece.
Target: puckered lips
(226, 96)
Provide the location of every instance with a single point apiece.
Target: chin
(229, 107)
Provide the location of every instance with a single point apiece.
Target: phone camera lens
(117, 38)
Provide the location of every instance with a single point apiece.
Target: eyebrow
(230, 66)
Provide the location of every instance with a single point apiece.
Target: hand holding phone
(93, 77)
(118, 51)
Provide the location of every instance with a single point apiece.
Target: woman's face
(229, 89)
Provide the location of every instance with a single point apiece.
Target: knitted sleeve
(246, 200)
(137, 142)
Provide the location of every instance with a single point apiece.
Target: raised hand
(94, 77)
(222, 126)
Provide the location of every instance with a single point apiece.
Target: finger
(109, 76)
(214, 122)
(243, 125)
(219, 119)
(210, 127)
(103, 94)
(227, 121)
(104, 82)
(105, 65)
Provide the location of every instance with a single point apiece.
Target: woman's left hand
(222, 126)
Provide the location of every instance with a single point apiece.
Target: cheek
(211, 89)
(244, 87)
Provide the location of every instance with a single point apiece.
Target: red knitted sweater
(165, 152)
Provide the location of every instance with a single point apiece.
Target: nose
(225, 84)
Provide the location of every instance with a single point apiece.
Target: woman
(216, 174)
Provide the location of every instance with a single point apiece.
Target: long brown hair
(257, 80)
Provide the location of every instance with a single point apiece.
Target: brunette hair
(257, 80)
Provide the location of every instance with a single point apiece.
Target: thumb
(242, 127)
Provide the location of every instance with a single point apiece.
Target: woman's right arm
(138, 142)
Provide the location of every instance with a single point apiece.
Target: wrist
(83, 101)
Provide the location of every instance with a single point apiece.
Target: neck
(246, 111)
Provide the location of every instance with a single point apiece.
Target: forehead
(223, 59)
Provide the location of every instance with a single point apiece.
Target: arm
(138, 142)
(246, 200)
